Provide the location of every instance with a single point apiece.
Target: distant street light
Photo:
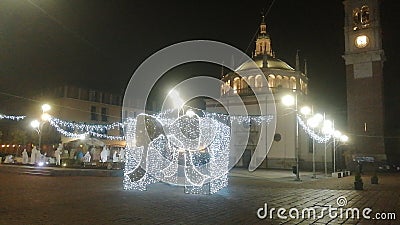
(344, 138)
(45, 117)
(327, 127)
(46, 108)
(38, 125)
(35, 123)
(337, 134)
(305, 110)
(288, 100)
(315, 120)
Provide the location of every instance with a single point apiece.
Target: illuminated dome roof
(273, 63)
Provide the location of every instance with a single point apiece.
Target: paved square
(28, 199)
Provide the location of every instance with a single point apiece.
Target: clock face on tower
(361, 41)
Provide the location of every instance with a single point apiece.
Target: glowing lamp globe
(35, 124)
(46, 107)
(288, 100)
(344, 138)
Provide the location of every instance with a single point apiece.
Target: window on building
(365, 15)
(361, 18)
(244, 83)
(236, 84)
(293, 83)
(271, 81)
(278, 81)
(286, 82)
(356, 16)
(104, 114)
(258, 81)
(94, 96)
(60, 92)
(251, 81)
(106, 98)
(84, 94)
(73, 92)
(116, 100)
(93, 113)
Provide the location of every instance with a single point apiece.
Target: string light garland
(315, 136)
(87, 127)
(64, 132)
(16, 118)
(105, 136)
(83, 129)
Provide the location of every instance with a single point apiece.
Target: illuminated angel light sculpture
(189, 151)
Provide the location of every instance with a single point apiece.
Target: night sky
(99, 44)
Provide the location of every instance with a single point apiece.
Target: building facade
(282, 80)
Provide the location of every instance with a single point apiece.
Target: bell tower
(364, 59)
(263, 42)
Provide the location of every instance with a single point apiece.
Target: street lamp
(35, 123)
(38, 125)
(327, 129)
(289, 100)
(313, 122)
(337, 135)
(46, 108)
(344, 138)
(305, 110)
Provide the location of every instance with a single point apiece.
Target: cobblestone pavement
(28, 199)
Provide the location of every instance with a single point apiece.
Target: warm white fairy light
(84, 129)
(17, 118)
(105, 136)
(202, 143)
(87, 127)
(64, 132)
(325, 137)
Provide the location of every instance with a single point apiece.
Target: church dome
(272, 63)
(279, 75)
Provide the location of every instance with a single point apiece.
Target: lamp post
(38, 125)
(337, 135)
(327, 129)
(313, 122)
(289, 100)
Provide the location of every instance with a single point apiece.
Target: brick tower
(364, 59)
